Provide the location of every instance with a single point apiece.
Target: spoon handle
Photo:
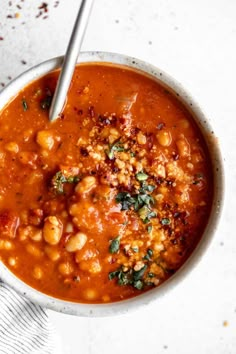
(70, 59)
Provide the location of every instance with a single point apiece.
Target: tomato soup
(110, 199)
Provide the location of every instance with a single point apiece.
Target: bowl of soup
(111, 205)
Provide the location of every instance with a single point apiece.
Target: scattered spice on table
(41, 10)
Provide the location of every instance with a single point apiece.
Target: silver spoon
(70, 59)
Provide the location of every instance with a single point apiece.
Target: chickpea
(31, 232)
(52, 253)
(65, 268)
(158, 247)
(76, 242)
(6, 245)
(120, 164)
(12, 261)
(86, 185)
(90, 294)
(52, 230)
(28, 158)
(164, 138)
(35, 234)
(33, 250)
(113, 135)
(45, 139)
(141, 138)
(37, 272)
(106, 298)
(183, 147)
(69, 227)
(91, 266)
(161, 171)
(12, 147)
(183, 123)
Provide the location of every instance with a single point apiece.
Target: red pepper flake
(56, 3)
(43, 6)
(9, 16)
(44, 17)
(2, 84)
(39, 14)
(1, 38)
(9, 78)
(23, 62)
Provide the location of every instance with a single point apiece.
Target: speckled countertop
(194, 41)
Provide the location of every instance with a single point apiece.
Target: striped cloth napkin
(24, 327)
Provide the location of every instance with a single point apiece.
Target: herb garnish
(151, 275)
(148, 255)
(165, 221)
(115, 245)
(147, 188)
(146, 214)
(141, 176)
(198, 178)
(117, 146)
(149, 229)
(139, 202)
(135, 249)
(126, 200)
(129, 277)
(46, 102)
(25, 105)
(58, 181)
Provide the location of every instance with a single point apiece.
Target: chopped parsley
(126, 200)
(148, 255)
(117, 146)
(25, 105)
(147, 188)
(198, 178)
(140, 202)
(151, 275)
(46, 102)
(115, 245)
(129, 277)
(165, 221)
(146, 214)
(58, 181)
(149, 229)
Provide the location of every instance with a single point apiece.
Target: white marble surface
(195, 41)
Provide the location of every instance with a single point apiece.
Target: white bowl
(80, 309)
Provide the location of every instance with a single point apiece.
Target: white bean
(52, 230)
(76, 242)
(86, 185)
